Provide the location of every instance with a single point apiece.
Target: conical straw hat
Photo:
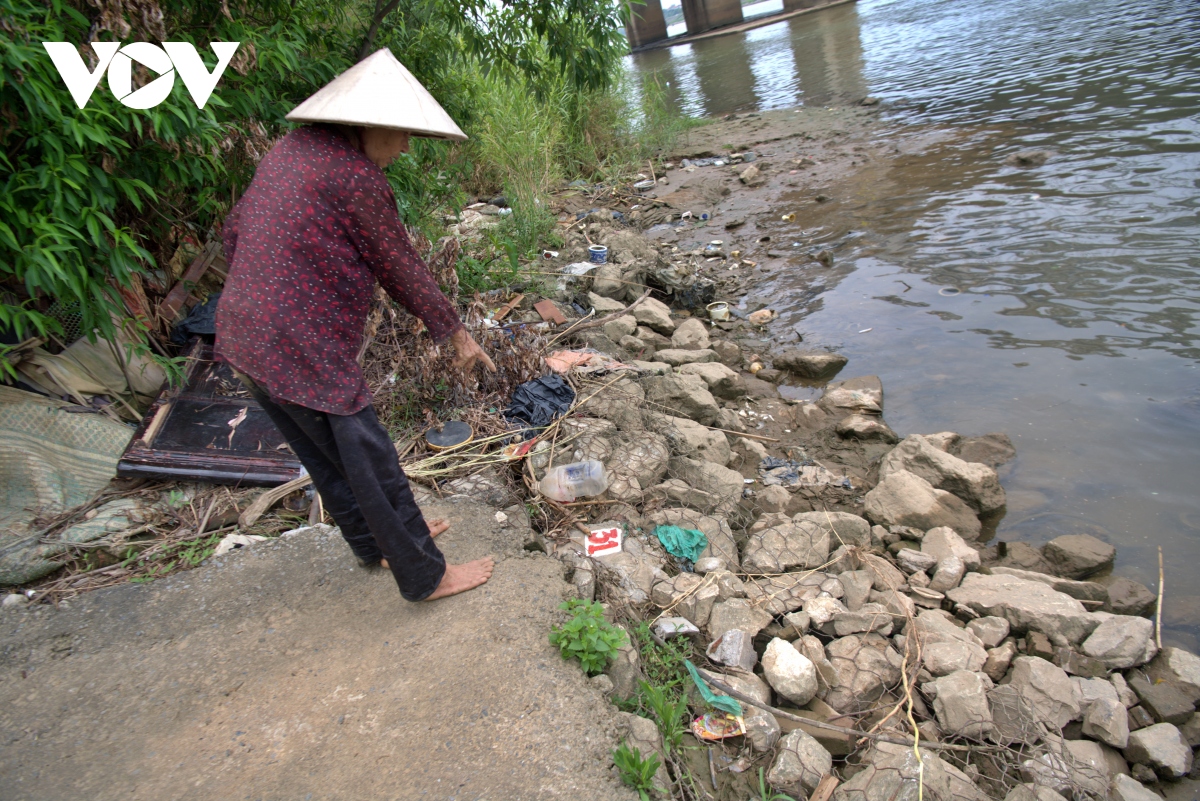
(378, 91)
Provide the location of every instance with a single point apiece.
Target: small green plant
(587, 636)
(635, 771)
(196, 551)
(670, 711)
(176, 499)
(663, 664)
(766, 793)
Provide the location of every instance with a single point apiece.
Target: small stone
(999, 659)
(990, 630)
(691, 334)
(911, 561)
(1144, 774)
(1139, 718)
(1038, 644)
(1078, 664)
(734, 648)
(1125, 695)
(655, 315)
(1126, 788)
(1165, 702)
(1078, 556)
(812, 364)
(668, 627)
(920, 579)
(602, 683)
(948, 574)
(750, 176)
(943, 541)
(1178, 667)
(621, 327)
(604, 305)
(869, 617)
(1190, 729)
(677, 357)
(1163, 748)
(866, 429)
(857, 587)
(14, 600)
(797, 623)
(789, 672)
(1043, 694)
(773, 499)
(961, 705)
(736, 613)
(1126, 596)
(944, 658)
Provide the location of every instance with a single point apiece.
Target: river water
(1059, 304)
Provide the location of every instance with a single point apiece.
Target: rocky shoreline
(847, 578)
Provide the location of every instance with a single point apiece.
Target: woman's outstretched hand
(469, 352)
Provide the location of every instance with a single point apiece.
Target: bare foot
(460, 578)
(436, 527)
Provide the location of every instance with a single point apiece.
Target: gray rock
(789, 672)
(670, 627)
(1092, 766)
(736, 613)
(734, 648)
(729, 585)
(797, 623)
(1106, 721)
(976, 484)
(866, 428)
(773, 499)
(892, 773)
(682, 395)
(1037, 692)
(857, 588)
(1126, 596)
(1126, 788)
(1093, 690)
(779, 595)
(822, 610)
(1080, 590)
(655, 315)
(843, 527)
(721, 381)
(1163, 748)
(1190, 729)
(14, 600)
(991, 631)
(999, 659)
(1026, 605)
(863, 395)
(636, 467)
(944, 658)
(813, 364)
(1078, 556)
(869, 617)
(604, 305)
(691, 334)
(990, 449)
(637, 570)
(620, 327)
(864, 665)
(800, 765)
(912, 561)
(942, 542)
(905, 499)
(1032, 792)
(1122, 642)
(677, 357)
(1126, 696)
(687, 595)
(1178, 667)
(936, 626)
(625, 670)
(689, 438)
(1165, 702)
(728, 352)
(642, 734)
(644, 368)
(948, 574)
(788, 545)
(961, 704)
(725, 484)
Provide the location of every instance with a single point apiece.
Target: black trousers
(354, 466)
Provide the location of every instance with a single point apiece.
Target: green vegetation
(587, 636)
(635, 771)
(766, 793)
(95, 202)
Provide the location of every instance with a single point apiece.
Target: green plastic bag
(722, 702)
(686, 543)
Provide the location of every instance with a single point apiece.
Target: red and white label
(604, 541)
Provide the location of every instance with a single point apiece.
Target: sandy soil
(286, 672)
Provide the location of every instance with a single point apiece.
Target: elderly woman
(306, 244)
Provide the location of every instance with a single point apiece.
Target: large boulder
(1078, 556)
(843, 527)
(862, 395)
(710, 477)
(1038, 692)
(1126, 596)
(1081, 590)
(636, 466)
(721, 544)
(689, 438)
(905, 499)
(961, 704)
(812, 364)
(683, 396)
(1027, 606)
(800, 764)
(653, 314)
(789, 672)
(864, 666)
(1179, 668)
(975, 483)
(1122, 642)
(1163, 748)
(722, 381)
(691, 334)
(893, 772)
(787, 545)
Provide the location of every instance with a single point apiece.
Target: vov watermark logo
(117, 61)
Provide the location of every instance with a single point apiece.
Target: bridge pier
(703, 15)
(646, 24)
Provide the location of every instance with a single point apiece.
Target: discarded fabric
(722, 702)
(540, 401)
(201, 320)
(685, 543)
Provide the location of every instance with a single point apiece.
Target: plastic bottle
(565, 483)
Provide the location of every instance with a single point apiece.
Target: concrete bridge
(647, 26)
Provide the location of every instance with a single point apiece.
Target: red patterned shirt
(305, 245)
